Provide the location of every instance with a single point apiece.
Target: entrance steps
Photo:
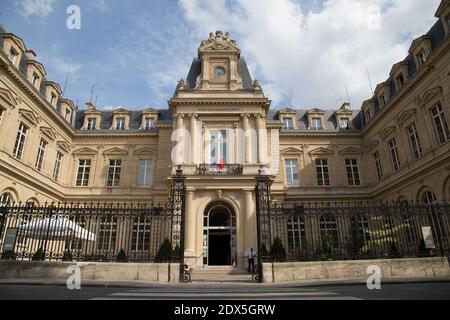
(220, 275)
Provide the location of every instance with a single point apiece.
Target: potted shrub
(122, 256)
(39, 255)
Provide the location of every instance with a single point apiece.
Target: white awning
(55, 227)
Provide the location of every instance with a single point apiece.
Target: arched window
(5, 199)
(429, 198)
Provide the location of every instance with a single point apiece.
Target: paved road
(409, 291)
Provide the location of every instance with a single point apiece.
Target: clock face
(219, 72)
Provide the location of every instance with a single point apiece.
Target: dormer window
(400, 81)
(422, 57)
(149, 123)
(52, 99)
(91, 124)
(288, 123)
(384, 99)
(316, 124)
(344, 123)
(34, 79)
(120, 124)
(13, 55)
(67, 115)
(369, 115)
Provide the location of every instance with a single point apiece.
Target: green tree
(277, 250)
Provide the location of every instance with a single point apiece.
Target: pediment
(29, 117)
(321, 152)
(291, 150)
(381, 86)
(7, 97)
(372, 144)
(64, 146)
(144, 151)
(150, 111)
(85, 152)
(407, 114)
(49, 133)
(430, 94)
(121, 111)
(315, 110)
(350, 150)
(387, 132)
(287, 111)
(115, 152)
(219, 42)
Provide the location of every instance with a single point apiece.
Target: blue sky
(304, 52)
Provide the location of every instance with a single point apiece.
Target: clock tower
(219, 56)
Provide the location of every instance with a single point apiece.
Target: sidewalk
(140, 284)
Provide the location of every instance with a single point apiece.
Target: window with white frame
(292, 177)
(114, 170)
(140, 237)
(84, 169)
(316, 123)
(34, 79)
(20, 141)
(288, 124)
(329, 230)
(67, 114)
(296, 233)
(145, 173)
(393, 152)
(149, 123)
(344, 123)
(41, 155)
(219, 146)
(378, 166)
(414, 141)
(120, 124)
(352, 172)
(91, 123)
(323, 174)
(12, 56)
(107, 233)
(440, 123)
(57, 169)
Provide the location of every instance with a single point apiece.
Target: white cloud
(63, 67)
(307, 57)
(39, 8)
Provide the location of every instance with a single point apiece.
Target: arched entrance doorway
(219, 235)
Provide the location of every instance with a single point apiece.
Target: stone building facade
(221, 129)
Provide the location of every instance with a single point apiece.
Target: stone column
(250, 221)
(247, 137)
(190, 225)
(180, 127)
(193, 126)
(262, 143)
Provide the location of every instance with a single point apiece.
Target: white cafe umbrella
(55, 227)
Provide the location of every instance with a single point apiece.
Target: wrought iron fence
(348, 231)
(354, 231)
(220, 169)
(90, 232)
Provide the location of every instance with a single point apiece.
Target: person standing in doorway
(251, 261)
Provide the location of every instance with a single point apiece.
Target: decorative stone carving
(181, 85)
(256, 85)
(218, 41)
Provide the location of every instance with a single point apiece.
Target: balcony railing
(220, 169)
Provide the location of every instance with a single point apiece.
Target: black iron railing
(355, 231)
(348, 231)
(220, 169)
(90, 232)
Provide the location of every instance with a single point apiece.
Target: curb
(118, 284)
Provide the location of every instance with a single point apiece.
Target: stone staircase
(220, 275)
